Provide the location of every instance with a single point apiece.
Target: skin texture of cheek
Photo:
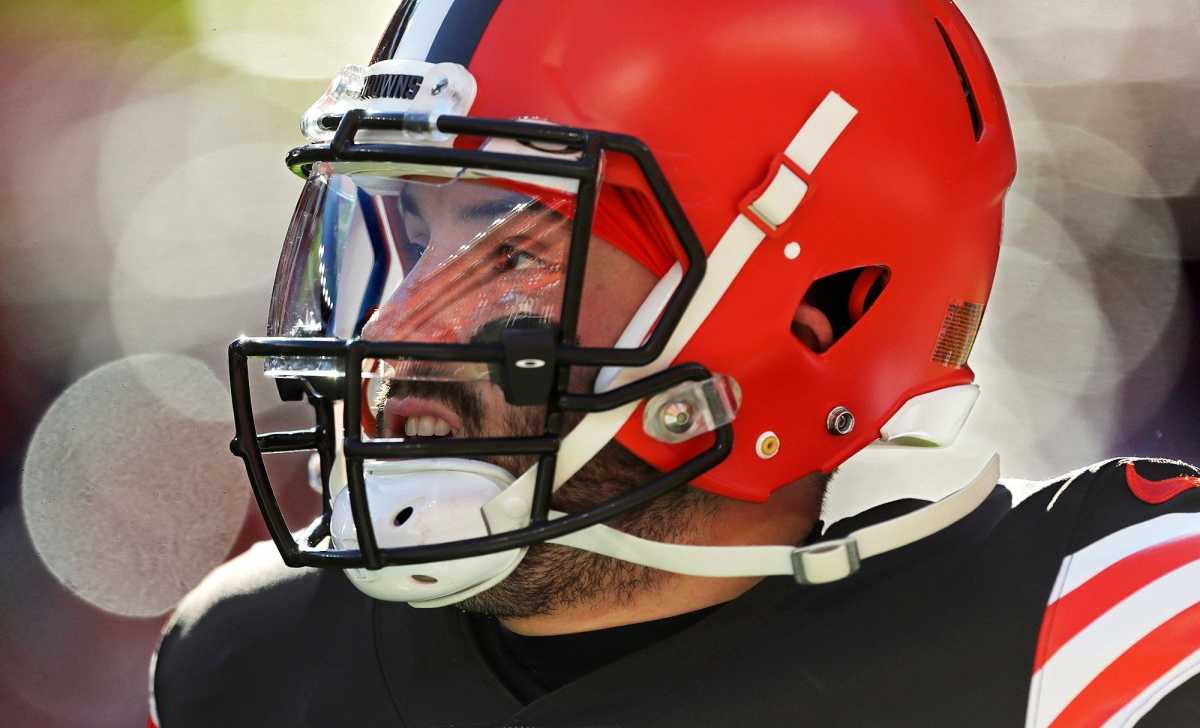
(614, 287)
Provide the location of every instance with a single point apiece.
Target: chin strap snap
(826, 561)
(818, 563)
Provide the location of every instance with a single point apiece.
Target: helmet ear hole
(835, 304)
(869, 283)
(812, 327)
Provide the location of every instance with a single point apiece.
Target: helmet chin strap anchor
(442, 584)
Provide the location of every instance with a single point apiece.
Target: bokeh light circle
(198, 233)
(128, 499)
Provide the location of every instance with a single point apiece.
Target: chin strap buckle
(825, 561)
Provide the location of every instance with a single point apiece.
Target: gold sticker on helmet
(958, 333)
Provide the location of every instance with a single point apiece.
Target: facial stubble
(552, 578)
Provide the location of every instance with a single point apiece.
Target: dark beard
(551, 577)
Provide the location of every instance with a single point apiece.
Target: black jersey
(1077, 606)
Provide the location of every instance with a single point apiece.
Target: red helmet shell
(915, 184)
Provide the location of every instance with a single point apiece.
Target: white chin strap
(434, 501)
(818, 563)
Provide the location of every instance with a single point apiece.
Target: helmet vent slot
(968, 92)
(835, 304)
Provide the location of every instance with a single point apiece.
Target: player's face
(513, 269)
(479, 258)
(452, 295)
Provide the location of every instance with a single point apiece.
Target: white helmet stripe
(436, 31)
(421, 29)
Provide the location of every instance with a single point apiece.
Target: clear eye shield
(400, 253)
(464, 264)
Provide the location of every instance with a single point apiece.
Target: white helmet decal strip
(818, 134)
(787, 189)
(422, 28)
(439, 31)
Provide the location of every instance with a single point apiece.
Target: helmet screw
(676, 416)
(767, 446)
(840, 421)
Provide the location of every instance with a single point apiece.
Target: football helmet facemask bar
(527, 345)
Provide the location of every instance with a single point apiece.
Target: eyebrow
(492, 209)
(487, 210)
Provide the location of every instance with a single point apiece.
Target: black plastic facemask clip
(529, 364)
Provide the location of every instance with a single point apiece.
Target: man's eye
(411, 252)
(511, 257)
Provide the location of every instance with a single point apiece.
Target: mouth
(417, 418)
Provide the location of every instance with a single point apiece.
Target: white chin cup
(424, 501)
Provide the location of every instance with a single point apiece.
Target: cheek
(614, 287)
(498, 418)
(539, 293)
(605, 311)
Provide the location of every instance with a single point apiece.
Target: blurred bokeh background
(144, 205)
